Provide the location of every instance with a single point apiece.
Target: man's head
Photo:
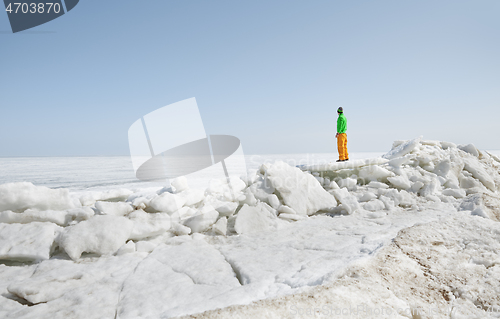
(340, 110)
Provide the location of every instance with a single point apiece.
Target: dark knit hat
(340, 110)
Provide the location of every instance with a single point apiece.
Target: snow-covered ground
(411, 234)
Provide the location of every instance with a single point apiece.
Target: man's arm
(338, 126)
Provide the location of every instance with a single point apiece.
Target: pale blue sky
(269, 72)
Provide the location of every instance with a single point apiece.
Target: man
(341, 136)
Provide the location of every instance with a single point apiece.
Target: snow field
(278, 232)
(449, 268)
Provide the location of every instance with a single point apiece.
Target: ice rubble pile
(36, 222)
(418, 171)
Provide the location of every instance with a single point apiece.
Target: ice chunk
(145, 246)
(167, 202)
(89, 198)
(114, 208)
(283, 209)
(271, 210)
(443, 168)
(179, 229)
(249, 198)
(225, 208)
(480, 211)
(102, 234)
(344, 165)
(400, 182)
(374, 205)
(237, 184)
(474, 167)
(471, 202)
(467, 181)
(389, 203)
(447, 145)
(220, 227)
(348, 201)
(21, 196)
(396, 143)
(199, 223)
(27, 242)
(495, 157)
(334, 185)
(62, 218)
(405, 199)
(78, 214)
(185, 212)
(469, 148)
(428, 167)
(430, 143)
(253, 219)
(127, 248)
(417, 186)
(192, 196)
(349, 183)
(140, 202)
(424, 159)
(401, 198)
(368, 196)
(442, 180)
(273, 201)
(430, 188)
(30, 215)
(374, 173)
(482, 204)
(451, 183)
(148, 225)
(260, 191)
(457, 193)
(399, 161)
(293, 217)
(299, 190)
(374, 184)
(403, 149)
(180, 184)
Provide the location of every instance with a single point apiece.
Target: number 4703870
(33, 7)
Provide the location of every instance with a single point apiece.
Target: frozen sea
(101, 173)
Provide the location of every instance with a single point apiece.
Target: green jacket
(341, 123)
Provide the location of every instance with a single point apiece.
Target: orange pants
(342, 146)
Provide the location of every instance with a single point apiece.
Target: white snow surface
(33, 241)
(301, 192)
(344, 165)
(62, 218)
(102, 235)
(23, 195)
(253, 220)
(414, 232)
(403, 148)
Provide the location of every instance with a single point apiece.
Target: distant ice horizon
(104, 172)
